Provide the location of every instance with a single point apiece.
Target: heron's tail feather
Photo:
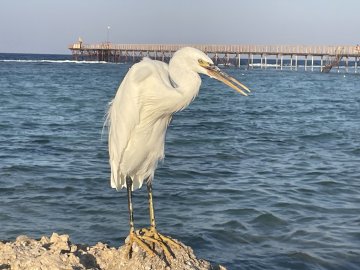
(119, 181)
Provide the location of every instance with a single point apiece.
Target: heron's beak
(216, 73)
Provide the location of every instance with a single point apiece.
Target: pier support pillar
(305, 62)
(312, 63)
(356, 64)
(321, 63)
(281, 62)
(347, 64)
(277, 61)
(291, 62)
(296, 62)
(265, 58)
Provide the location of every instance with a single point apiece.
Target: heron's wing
(124, 116)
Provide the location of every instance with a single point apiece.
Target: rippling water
(271, 181)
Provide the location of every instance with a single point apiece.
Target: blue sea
(269, 181)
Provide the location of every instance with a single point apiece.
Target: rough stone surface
(58, 253)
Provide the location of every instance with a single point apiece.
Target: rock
(60, 243)
(58, 253)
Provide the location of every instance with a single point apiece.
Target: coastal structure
(247, 56)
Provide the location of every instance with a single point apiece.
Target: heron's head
(203, 64)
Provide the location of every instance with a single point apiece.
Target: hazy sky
(49, 26)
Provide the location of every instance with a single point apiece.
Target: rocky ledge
(58, 253)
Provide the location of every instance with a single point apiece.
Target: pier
(289, 57)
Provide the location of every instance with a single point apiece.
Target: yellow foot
(147, 238)
(134, 238)
(164, 242)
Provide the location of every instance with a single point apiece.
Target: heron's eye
(202, 62)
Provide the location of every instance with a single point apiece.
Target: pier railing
(278, 56)
(315, 50)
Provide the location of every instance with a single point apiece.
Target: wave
(51, 61)
(263, 65)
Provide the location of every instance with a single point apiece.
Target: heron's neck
(186, 82)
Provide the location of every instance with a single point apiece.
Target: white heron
(138, 117)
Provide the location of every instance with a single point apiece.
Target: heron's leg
(145, 237)
(133, 236)
(130, 205)
(152, 235)
(151, 206)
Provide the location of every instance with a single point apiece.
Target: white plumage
(148, 96)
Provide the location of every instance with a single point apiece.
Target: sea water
(269, 181)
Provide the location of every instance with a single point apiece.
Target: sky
(49, 26)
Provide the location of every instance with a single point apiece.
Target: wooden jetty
(248, 56)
